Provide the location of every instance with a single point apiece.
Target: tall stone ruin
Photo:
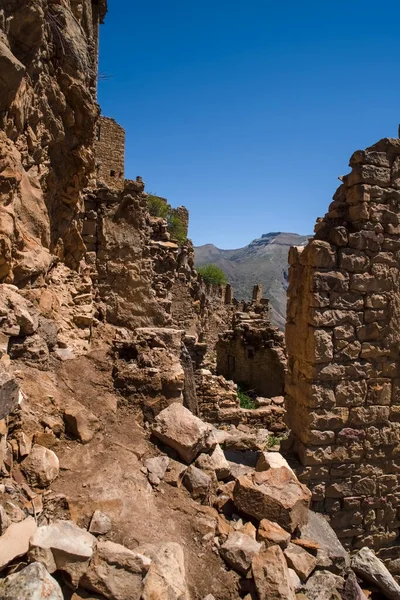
(343, 343)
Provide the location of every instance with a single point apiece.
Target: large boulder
(368, 566)
(178, 428)
(238, 551)
(276, 495)
(32, 583)
(15, 541)
(63, 546)
(166, 577)
(116, 572)
(318, 530)
(41, 467)
(271, 575)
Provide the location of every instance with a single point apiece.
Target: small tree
(212, 274)
(176, 227)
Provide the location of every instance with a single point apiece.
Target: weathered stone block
(319, 254)
(353, 260)
(368, 415)
(335, 281)
(369, 174)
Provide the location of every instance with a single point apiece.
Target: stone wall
(343, 335)
(109, 150)
(252, 351)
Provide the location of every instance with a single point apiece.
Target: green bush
(212, 274)
(245, 400)
(157, 206)
(176, 227)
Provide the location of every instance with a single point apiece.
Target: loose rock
(9, 392)
(166, 577)
(15, 541)
(116, 572)
(318, 529)
(197, 483)
(157, 466)
(100, 523)
(41, 467)
(177, 427)
(324, 585)
(301, 561)
(368, 566)
(63, 546)
(276, 495)
(271, 575)
(216, 462)
(239, 550)
(32, 583)
(80, 422)
(271, 533)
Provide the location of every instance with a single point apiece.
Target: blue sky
(247, 111)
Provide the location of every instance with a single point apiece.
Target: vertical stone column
(257, 293)
(343, 343)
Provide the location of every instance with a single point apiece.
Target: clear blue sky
(247, 111)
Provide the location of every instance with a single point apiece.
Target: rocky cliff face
(48, 58)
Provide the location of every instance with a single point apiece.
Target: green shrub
(245, 400)
(157, 206)
(212, 274)
(273, 440)
(176, 227)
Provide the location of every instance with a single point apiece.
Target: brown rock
(300, 561)
(197, 483)
(238, 551)
(271, 575)
(166, 577)
(80, 422)
(271, 533)
(15, 541)
(9, 392)
(100, 523)
(41, 467)
(276, 495)
(116, 572)
(177, 427)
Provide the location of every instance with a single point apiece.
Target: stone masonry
(109, 149)
(252, 351)
(343, 336)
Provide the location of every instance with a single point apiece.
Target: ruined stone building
(252, 351)
(343, 339)
(109, 150)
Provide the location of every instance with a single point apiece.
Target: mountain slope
(264, 260)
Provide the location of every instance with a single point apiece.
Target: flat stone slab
(15, 541)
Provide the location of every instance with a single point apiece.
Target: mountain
(264, 260)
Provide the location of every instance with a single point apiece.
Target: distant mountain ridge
(264, 260)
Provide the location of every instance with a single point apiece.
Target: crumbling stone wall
(343, 334)
(252, 351)
(109, 147)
